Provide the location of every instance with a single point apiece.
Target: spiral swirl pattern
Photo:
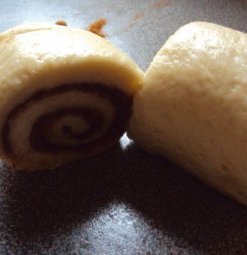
(77, 117)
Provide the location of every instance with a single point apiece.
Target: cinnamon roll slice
(64, 94)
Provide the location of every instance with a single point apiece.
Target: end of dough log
(192, 107)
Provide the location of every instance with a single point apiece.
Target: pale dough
(193, 105)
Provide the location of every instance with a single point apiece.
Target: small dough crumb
(96, 27)
(61, 23)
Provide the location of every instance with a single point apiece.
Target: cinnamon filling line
(39, 135)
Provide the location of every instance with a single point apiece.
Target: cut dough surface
(65, 94)
(192, 107)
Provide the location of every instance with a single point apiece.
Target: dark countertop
(123, 201)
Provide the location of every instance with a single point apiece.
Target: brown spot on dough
(61, 23)
(96, 27)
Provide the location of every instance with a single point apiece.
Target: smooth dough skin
(64, 94)
(192, 107)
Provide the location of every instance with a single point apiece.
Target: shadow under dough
(38, 206)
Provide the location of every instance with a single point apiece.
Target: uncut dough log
(64, 94)
(193, 105)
